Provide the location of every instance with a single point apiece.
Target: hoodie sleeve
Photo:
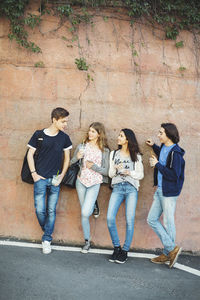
(156, 149)
(174, 172)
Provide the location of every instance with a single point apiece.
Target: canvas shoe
(122, 257)
(86, 247)
(46, 247)
(161, 259)
(96, 211)
(115, 254)
(173, 256)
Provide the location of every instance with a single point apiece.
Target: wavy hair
(133, 146)
(102, 140)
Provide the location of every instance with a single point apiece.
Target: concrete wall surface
(137, 83)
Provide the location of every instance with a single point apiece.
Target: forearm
(170, 174)
(74, 158)
(103, 169)
(65, 165)
(100, 170)
(138, 173)
(30, 160)
(31, 164)
(156, 149)
(112, 169)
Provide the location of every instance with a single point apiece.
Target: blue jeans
(87, 197)
(46, 208)
(120, 192)
(167, 206)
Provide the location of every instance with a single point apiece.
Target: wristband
(33, 172)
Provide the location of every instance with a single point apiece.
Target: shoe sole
(46, 252)
(112, 260)
(96, 216)
(175, 259)
(84, 251)
(159, 263)
(120, 262)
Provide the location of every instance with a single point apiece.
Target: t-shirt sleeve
(33, 141)
(68, 143)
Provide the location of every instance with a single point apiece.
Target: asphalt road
(27, 274)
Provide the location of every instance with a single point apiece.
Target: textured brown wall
(135, 91)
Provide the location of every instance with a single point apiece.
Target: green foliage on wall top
(171, 15)
(14, 11)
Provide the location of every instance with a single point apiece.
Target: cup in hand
(55, 179)
(119, 168)
(151, 162)
(82, 150)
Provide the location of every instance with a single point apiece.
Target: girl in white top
(126, 169)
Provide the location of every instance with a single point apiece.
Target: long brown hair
(102, 140)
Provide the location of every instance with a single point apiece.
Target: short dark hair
(171, 132)
(59, 113)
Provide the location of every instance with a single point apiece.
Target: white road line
(187, 269)
(97, 251)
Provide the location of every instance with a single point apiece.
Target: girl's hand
(153, 161)
(126, 172)
(149, 142)
(89, 164)
(80, 154)
(119, 167)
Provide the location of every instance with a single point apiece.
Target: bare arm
(65, 167)
(31, 164)
(66, 163)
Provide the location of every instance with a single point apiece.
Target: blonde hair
(102, 140)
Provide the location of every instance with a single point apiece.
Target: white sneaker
(46, 247)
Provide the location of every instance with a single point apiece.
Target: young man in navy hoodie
(53, 161)
(169, 177)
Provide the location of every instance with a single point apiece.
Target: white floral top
(89, 177)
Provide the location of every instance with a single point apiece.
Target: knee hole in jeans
(51, 211)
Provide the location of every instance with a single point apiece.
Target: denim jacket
(173, 172)
(103, 170)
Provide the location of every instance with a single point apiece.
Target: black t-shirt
(50, 157)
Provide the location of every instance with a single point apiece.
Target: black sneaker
(96, 211)
(115, 254)
(122, 257)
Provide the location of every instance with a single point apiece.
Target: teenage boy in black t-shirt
(55, 145)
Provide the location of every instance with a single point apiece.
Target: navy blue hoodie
(173, 172)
